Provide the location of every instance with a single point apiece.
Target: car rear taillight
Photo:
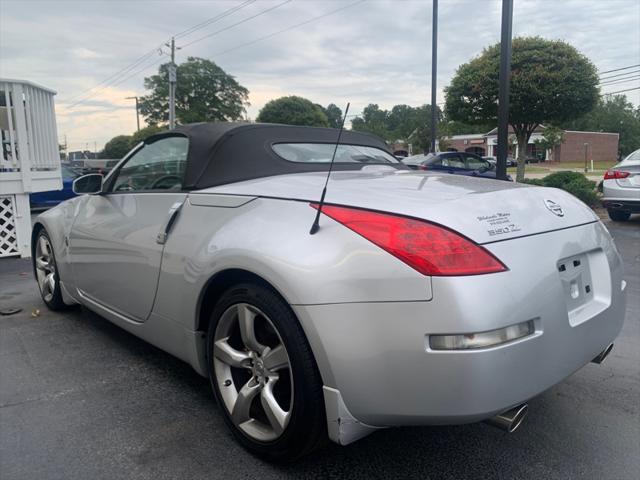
(615, 174)
(423, 167)
(428, 248)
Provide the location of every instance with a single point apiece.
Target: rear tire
(246, 380)
(46, 272)
(618, 216)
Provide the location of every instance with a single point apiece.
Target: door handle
(171, 217)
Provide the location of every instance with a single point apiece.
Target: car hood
(482, 209)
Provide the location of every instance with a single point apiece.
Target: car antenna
(316, 223)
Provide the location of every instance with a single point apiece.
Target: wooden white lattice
(8, 233)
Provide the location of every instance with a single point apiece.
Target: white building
(30, 161)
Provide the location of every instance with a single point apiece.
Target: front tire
(264, 375)
(618, 216)
(46, 272)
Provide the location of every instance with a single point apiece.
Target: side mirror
(91, 183)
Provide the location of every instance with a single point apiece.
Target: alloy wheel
(45, 268)
(253, 372)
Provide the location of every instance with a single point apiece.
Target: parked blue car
(54, 197)
(457, 163)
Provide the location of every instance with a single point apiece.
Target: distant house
(598, 145)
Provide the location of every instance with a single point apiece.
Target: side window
(157, 166)
(455, 161)
(474, 163)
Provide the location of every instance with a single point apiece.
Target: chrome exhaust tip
(603, 354)
(510, 420)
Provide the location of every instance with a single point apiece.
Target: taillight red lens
(430, 249)
(615, 174)
(423, 167)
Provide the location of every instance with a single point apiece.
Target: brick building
(599, 146)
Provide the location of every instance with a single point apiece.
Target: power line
(112, 77)
(224, 52)
(236, 24)
(619, 75)
(618, 69)
(109, 81)
(211, 20)
(620, 91)
(621, 80)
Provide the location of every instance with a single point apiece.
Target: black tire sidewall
(307, 425)
(618, 216)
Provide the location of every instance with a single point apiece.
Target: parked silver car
(423, 299)
(621, 188)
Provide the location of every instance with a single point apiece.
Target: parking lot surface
(82, 399)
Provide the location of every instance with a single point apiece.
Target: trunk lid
(482, 209)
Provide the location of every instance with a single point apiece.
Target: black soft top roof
(226, 152)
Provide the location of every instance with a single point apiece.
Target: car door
(117, 238)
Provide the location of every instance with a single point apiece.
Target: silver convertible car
(423, 298)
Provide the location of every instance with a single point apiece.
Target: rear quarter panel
(271, 239)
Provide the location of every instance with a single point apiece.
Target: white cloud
(375, 52)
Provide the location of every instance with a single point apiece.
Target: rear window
(322, 153)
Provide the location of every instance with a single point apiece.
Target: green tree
(612, 114)
(373, 120)
(293, 110)
(204, 93)
(143, 133)
(334, 115)
(117, 147)
(551, 82)
(551, 138)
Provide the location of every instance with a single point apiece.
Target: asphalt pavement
(82, 399)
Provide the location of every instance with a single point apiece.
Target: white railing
(27, 119)
(29, 158)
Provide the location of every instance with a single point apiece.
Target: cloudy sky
(373, 51)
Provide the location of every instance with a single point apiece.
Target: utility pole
(434, 73)
(137, 111)
(172, 86)
(503, 91)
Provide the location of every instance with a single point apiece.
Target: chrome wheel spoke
(50, 283)
(42, 263)
(276, 359)
(229, 355)
(246, 320)
(242, 406)
(278, 418)
(44, 246)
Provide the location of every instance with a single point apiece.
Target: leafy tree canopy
(117, 147)
(204, 93)
(334, 115)
(551, 82)
(612, 114)
(402, 122)
(293, 110)
(143, 133)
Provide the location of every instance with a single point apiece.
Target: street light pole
(503, 91)
(172, 86)
(137, 111)
(434, 73)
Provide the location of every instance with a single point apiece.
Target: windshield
(322, 153)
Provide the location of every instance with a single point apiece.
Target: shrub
(573, 182)
(561, 179)
(534, 181)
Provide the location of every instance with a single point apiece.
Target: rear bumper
(622, 204)
(377, 355)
